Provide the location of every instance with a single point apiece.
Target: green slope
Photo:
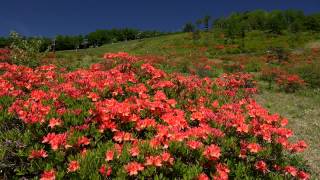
(183, 44)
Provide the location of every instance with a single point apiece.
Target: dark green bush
(253, 66)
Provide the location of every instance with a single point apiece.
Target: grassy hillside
(185, 46)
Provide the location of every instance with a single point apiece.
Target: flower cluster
(290, 82)
(121, 56)
(139, 121)
(287, 82)
(4, 54)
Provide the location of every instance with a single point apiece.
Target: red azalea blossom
(212, 152)
(120, 55)
(73, 166)
(303, 175)
(222, 172)
(56, 140)
(48, 175)
(261, 166)
(291, 170)
(203, 176)
(299, 146)
(194, 144)
(166, 157)
(93, 96)
(154, 161)
(38, 154)
(133, 168)
(109, 155)
(104, 171)
(134, 151)
(284, 122)
(122, 136)
(215, 104)
(83, 141)
(254, 147)
(54, 122)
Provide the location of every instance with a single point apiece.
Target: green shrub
(310, 73)
(25, 52)
(253, 66)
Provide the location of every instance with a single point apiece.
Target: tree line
(234, 25)
(92, 39)
(275, 22)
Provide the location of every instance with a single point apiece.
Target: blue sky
(52, 17)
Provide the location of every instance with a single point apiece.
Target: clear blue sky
(52, 17)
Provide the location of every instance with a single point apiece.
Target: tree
(257, 20)
(206, 20)
(276, 22)
(4, 42)
(189, 27)
(312, 22)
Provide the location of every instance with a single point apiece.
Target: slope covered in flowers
(124, 118)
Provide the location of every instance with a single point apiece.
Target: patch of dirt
(313, 45)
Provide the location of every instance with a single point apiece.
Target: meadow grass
(303, 113)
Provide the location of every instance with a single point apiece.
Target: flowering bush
(4, 55)
(271, 74)
(290, 82)
(136, 121)
(309, 72)
(285, 81)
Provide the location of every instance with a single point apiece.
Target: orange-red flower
(291, 170)
(55, 140)
(154, 161)
(194, 144)
(222, 172)
(166, 157)
(93, 96)
(203, 176)
(54, 122)
(105, 171)
(133, 168)
(109, 155)
(299, 146)
(38, 154)
(134, 151)
(303, 175)
(261, 166)
(215, 104)
(48, 175)
(212, 152)
(83, 141)
(73, 166)
(254, 147)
